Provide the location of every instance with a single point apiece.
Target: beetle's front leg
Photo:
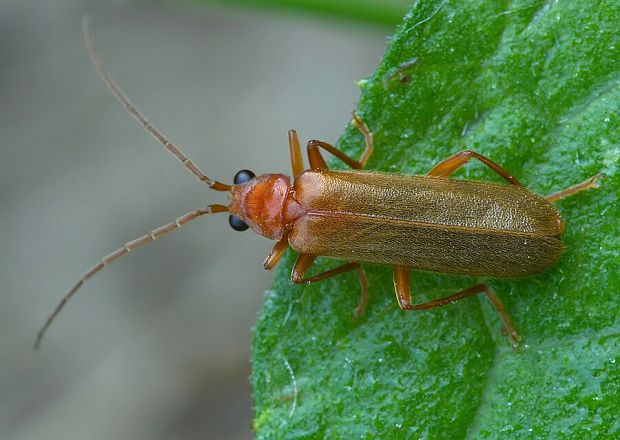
(448, 166)
(402, 287)
(276, 253)
(297, 161)
(303, 263)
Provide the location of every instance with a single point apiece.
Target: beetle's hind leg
(303, 263)
(317, 162)
(591, 183)
(402, 287)
(448, 166)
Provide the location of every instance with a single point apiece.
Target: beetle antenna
(125, 249)
(139, 116)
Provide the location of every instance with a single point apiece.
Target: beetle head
(260, 203)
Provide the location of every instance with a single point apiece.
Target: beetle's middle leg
(318, 163)
(303, 263)
(448, 166)
(402, 287)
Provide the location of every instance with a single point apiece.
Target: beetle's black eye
(237, 224)
(243, 176)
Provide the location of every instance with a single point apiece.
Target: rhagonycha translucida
(429, 222)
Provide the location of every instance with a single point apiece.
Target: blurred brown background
(157, 346)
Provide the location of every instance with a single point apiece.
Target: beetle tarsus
(591, 183)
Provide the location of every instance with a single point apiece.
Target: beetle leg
(365, 131)
(591, 183)
(314, 155)
(297, 160)
(316, 159)
(276, 253)
(318, 163)
(402, 287)
(303, 263)
(448, 166)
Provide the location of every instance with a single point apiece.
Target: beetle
(428, 223)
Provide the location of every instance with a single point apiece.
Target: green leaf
(373, 11)
(535, 86)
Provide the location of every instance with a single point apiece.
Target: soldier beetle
(429, 223)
